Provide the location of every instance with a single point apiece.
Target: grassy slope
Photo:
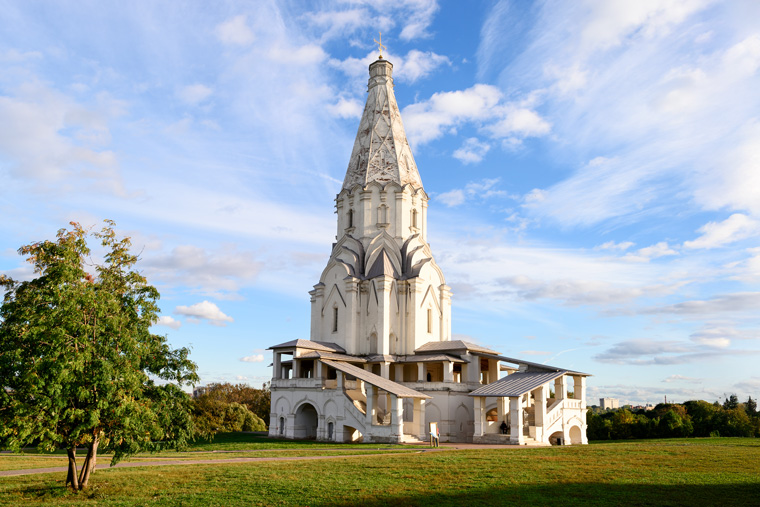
(658, 472)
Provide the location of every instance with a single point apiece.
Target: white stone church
(381, 365)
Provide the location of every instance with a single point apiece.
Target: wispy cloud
(205, 310)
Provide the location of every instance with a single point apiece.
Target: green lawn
(722, 471)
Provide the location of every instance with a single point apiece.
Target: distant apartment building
(607, 403)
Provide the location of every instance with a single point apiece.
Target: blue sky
(593, 168)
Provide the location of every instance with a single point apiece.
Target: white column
(421, 372)
(540, 411)
(370, 405)
(516, 420)
(397, 415)
(448, 371)
(296, 366)
(277, 365)
(399, 372)
(560, 388)
(340, 379)
(501, 411)
(479, 416)
(579, 390)
(385, 370)
(319, 369)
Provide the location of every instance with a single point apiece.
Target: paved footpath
(178, 461)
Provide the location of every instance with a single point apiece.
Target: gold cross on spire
(380, 44)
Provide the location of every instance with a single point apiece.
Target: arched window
(414, 218)
(350, 218)
(282, 425)
(429, 320)
(335, 320)
(330, 430)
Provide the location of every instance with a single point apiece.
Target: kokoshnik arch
(380, 364)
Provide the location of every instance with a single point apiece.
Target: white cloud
(418, 64)
(406, 69)
(480, 105)
(347, 108)
(452, 198)
(472, 151)
(255, 358)
(665, 352)
(190, 266)
(738, 303)
(235, 31)
(205, 310)
(716, 234)
(418, 20)
(611, 245)
(427, 120)
(648, 253)
(609, 22)
(297, 55)
(52, 140)
(481, 190)
(165, 320)
(681, 378)
(520, 122)
(194, 94)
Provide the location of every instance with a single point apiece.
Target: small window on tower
(335, 319)
(414, 218)
(350, 218)
(430, 320)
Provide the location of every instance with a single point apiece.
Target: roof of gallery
(381, 151)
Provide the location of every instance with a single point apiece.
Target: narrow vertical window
(335, 320)
(350, 218)
(414, 218)
(430, 320)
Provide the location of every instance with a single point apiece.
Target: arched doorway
(306, 422)
(576, 436)
(330, 427)
(282, 426)
(557, 438)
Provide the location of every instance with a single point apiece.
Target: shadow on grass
(566, 495)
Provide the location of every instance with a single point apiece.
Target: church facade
(380, 364)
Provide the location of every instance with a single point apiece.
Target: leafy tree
(750, 407)
(79, 366)
(227, 407)
(257, 400)
(731, 402)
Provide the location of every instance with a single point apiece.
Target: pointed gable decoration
(381, 151)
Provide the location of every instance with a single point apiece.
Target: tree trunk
(72, 474)
(89, 464)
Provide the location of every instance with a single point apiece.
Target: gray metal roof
(315, 354)
(453, 345)
(516, 384)
(428, 358)
(308, 344)
(375, 380)
(535, 366)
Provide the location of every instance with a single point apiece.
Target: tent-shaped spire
(381, 152)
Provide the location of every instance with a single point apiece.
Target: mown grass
(658, 472)
(222, 446)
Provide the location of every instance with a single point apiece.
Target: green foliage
(731, 402)
(691, 419)
(682, 472)
(750, 407)
(227, 408)
(78, 363)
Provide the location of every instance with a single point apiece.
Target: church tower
(382, 292)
